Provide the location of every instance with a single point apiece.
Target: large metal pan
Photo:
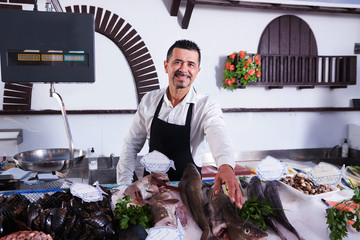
(48, 160)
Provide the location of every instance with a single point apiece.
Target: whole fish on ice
(271, 193)
(146, 187)
(190, 187)
(255, 188)
(165, 210)
(224, 220)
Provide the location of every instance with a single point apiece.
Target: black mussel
(48, 221)
(33, 212)
(79, 230)
(1, 224)
(21, 226)
(69, 224)
(58, 219)
(97, 221)
(110, 232)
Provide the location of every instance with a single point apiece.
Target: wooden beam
(175, 7)
(188, 11)
(254, 5)
(133, 111)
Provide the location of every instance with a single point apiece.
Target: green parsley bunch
(127, 213)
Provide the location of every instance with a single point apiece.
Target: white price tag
(86, 192)
(166, 233)
(325, 173)
(156, 162)
(270, 169)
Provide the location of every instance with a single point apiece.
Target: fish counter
(168, 210)
(306, 214)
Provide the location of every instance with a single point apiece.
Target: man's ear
(165, 66)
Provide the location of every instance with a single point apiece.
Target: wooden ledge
(225, 110)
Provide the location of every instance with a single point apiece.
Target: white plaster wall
(218, 31)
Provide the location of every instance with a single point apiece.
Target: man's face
(182, 67)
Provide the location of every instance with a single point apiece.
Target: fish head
(163, 210)
(245, 231)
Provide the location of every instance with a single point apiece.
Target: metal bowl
(48, 160)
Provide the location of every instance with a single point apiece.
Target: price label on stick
(325, 173)
(270, 168)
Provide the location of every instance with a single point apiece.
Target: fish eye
(247, 231)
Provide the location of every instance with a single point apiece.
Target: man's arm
(222, 150)
(133, 143)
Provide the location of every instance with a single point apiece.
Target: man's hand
(226, 175)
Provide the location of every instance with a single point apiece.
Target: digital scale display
(47, 58)
(46, 47)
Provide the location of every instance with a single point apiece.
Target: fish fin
(171, 201)
(159, 182)
(173, 188)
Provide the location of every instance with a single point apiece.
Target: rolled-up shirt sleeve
(217, 135)
(133, 143)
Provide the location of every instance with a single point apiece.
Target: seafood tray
(289, 189)
(56, 212)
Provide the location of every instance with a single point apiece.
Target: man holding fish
(177, 120)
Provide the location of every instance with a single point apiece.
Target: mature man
(177, 120)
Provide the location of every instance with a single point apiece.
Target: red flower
(228, 81)
(232, 56)
(256, 58)
(232, 67)
(258, 74)
(246, 65)
(227, 65)
(249, 60)
(251, 72)
(242, 54)
(246, 76)
(233, 80)
(258, 62)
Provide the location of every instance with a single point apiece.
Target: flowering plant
(241, 69)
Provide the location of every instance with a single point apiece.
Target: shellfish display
(61, 215)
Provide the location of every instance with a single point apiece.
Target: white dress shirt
(207, 127)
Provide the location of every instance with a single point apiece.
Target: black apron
(173, 141)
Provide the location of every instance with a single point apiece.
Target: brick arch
(17, 96)
(130, 44)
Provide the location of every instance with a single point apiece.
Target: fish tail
(272, 225)
(206, 234)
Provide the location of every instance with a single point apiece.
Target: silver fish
(271, 193)
(191, 194)
(255, 188)
(147, 187)
(226, 223)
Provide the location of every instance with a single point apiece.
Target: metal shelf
(11, 134)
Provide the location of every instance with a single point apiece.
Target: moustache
(179, 73)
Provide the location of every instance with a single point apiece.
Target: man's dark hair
(184, 44)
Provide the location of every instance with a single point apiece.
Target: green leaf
(131, 214)
(256, 211)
